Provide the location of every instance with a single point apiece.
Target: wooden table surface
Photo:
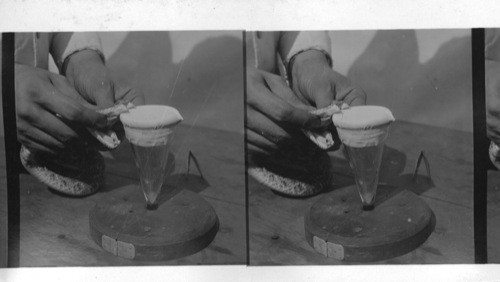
(276, 227)
(55, 229)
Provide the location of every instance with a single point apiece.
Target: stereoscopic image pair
(255, 147)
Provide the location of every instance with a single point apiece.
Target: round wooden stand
(180, 226)
(337, 226)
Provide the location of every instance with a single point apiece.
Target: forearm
(64, 45)
(292, 43)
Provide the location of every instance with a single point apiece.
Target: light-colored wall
(423, 76)
(198, 72)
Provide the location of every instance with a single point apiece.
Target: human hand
(274, 113)
(50, 113)
(95, 83)
(316, 84)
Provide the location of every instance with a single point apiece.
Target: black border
(247, 193)
(481, 159)
(11, 149)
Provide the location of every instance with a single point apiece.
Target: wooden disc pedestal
(180, 226)
(337, 226)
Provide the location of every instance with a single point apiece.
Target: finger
(493, 105)
(256, 150)
(278, 86)
(55, 127)
(255, 154)
(271, 137)
(494, 136)
(62, 84)
(259, 141)
(70, 109)
(354, 97)
(321, 89)
(493, 128)
(277, 109)
(346, 92)
(128, 94)
(323, 96)
(33, 137)
(261, 124)
(33, 146)
(89, 140)
(104, 93)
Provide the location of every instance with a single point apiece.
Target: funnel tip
(368, 207)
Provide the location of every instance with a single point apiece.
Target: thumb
(64, 87)
(104, 94)
(321, 91)
(323, 97)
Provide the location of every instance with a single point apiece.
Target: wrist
(302, 62)
(80, 59)
(312, 55)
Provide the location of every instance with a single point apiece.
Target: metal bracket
(417, 165)
(191, 156)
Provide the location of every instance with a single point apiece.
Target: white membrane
(363, 126)
(150, 125)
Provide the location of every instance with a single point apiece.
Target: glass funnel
(365, 163)
(363, 130)
(149, 130)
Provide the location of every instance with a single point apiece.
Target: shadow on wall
(206, 87)
(437, 92)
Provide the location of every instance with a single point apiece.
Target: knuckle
(490, 135)
(491, 122)
(279, 138)
(284, 114)
(34, 95)
(493, 107)
(22, 129)
(73, 114)
(251, 99)
(79, 113)
(360, 92)
(492, 132)
(66, 139)
(22, 139)
(26, 112)
(22, 134)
